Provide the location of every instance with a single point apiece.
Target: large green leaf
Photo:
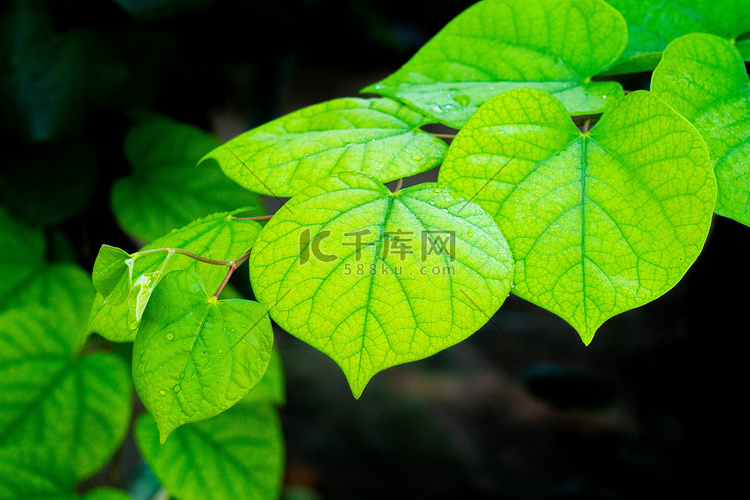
(34, 472)
(652, 24)
(704, 79)
(496, 45)
(167, 189)
(77, 406)
(223, 236)
(598, 222)
(238, 454)
(195, 356)
(29, 280)
(373, 278)
(379, 137)
(22, 250)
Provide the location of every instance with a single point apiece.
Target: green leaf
(36, 472)
(652, 24)
(373, 278)
(598, 223)
(378, 137)
(238, 454)
(704, 79)
(110, 270)
(78, 406)
(195, 356)
(22, 250)
(270, 389)
(167, 189)
(744, 47)
(29, 280)
(497, 45)
(223, 236)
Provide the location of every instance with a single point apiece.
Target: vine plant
(556, 185)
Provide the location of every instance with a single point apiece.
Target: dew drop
(177, 388)
(170, 336)
(463, 100)
(469, 233)
(221, 350)
(163, 392)
(182, 374)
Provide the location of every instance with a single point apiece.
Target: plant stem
(257, 217)
(187, 254)
(234, 265)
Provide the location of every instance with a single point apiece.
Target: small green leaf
(378, 137)
(598, 223)
(167, 189)
(110, 270)
(195, 356)
(652, 24)
(222, 236)
(373, 278)
(238, 454)
(497, 45)
(704, 79)
(39, 378)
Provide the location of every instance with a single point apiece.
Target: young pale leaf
(652, 24)
(373, 278)
(40, 377)
(110, 270)
(167, 189)
(598, 223)
(704, 79)
(223, 236)
(496, 45)
(195, 356)
(238, 454)
(379, 137)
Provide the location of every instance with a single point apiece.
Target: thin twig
(232, 267)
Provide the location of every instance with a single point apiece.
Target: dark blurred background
(522, 409)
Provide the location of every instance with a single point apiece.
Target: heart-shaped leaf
(39, 378)
(223, 236)
(373, 278)
(598, 222)
(704, 79)
(497, 45)
(238, 454)
(195, 356)
(379, 137)
(167, 189)
(652, 24)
